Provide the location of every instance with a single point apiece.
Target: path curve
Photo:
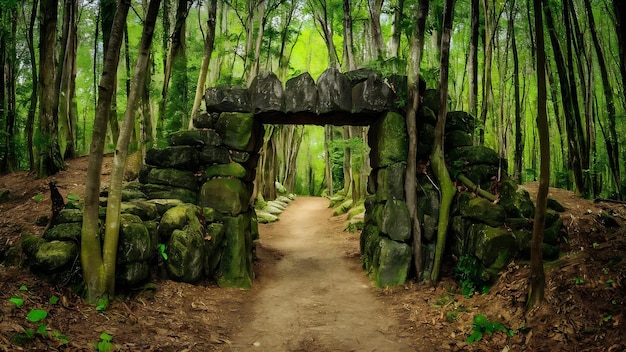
(315, 297)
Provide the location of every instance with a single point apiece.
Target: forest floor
(311, 295)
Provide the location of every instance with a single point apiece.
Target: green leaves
(161, 248)
(36, 315)
(104, 345)
(483, 326)
(18, 301)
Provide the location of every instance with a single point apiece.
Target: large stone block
(460, 121)
(132, 274)
(494, 246)
(266, 93)
(54, 255)
(236, 130)
(194, 138)
(169, 177)
(185, 255)
(484, 211)
(225, 170)
(477, 154)
(334, 92)
(154, 191)
(177, 218)
(369, 240)
(235, 269)
(203, 119)
(393, 263)
(388, 140)
(181, 157)
(213, 155)
(224, 99)
(135, 243)
(300, 94)
(372, 95)
(390, 183)
(64, 232)
(228, 196)
(396, 220)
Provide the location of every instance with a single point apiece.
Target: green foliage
(23, 288)
(578, 281)
(104, 345)
(17, 301)
(53, 300)
(73, 197)
(468, 272)
(102, 304)
(483, 326)
(161, 247)
(36, 315)
(38, 197)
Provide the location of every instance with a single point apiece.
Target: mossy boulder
(555, 205)
(396, 220)
(177, 218)
(163, 205)
(356, 223)
(228, 196)
(213, 155)
(179, 157)
(135, 243)
(143, 209)
(225, 170)
(456, 139)
(356, 210)
(390, 182)
(184, 195)
(343, 207)
(54, 255)
(169, 177)
(516, 201)
(477, 154)
(369, 239)
(334, 92)
(393, 263)
(131, 275)
(264, 217)
(494, 246)
(235, 269)
(484, 211)
(460, 121)
(185, 252)
(202, 137)
(64, 232)
(388, 140)
(69, 215)
(213, 247)
(236, 130)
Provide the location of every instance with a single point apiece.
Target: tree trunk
(66, 75)
(111, 234)
(437, 157)
(8, 73)
(473, 58)
(209, 42)
(610, 140)
(91, 252)
(50, 158)
(378, 48)
(32, 108)
(107, 11)
(348, 37)
(328, 164)
(537, 276)
(519, 136)
(487, 102)
(572, 116)
(620, 29)
(413, 99)
(396, 34)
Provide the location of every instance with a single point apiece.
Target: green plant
(468, 272)
(102, 304)
(17, 301)
(38, 197)
(104, 345)
(483, 326)
(161, 248)
(53, 300)
(578, 281)
(73, 197)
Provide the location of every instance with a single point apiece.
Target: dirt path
(316, 297)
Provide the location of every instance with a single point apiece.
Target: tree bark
(91, 251)
(348, 37)
(111, 234)
(437, 156)
(519, 137)
(32, 108)
(378, 48)
(620, 29)
(209, 42)
(413, 97)
(396, 34)
(473, 58)
(537, 276)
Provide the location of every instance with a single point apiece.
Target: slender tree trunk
(620, 29)
(537, 276)
(473, 58)
(396, 35)
(610, 140)
(413, 97)
(111, 235)
(254, 70)
(32, 108)
(8, 73)
(437, 157)
(487, 100)
(65, 80)
(378, 48)
(175, 54)
(519, 137)
(91, 250)
(348, 41)
(209, 42)
(107, 11)
(328, 165)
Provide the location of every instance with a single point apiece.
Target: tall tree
(348, 37)
(324, 19)
(34, 94)
(472, 62)
(396, 35)
(66, 80)
(50, 160)
(537, 280)
(519, 137)
(107, 10)
(377, 45)
(437, 161)
(413, 98)
(91, 250)
(610, 137)
(209, 41)
(620, 28)
(8, 72)
(111, 234)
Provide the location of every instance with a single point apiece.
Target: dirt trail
(316, 297)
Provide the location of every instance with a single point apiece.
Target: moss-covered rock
(69, 215)
(494, 246)
(456, 139)
(343, 207)
(228, 196)
(388, 141)
(355, 223)
(516, 201)
(555, 205)
(163, 205)
(131, 275)
(54, 255)
(396, 220)
(30, 244)
(177, 218)
(181, 157)
(484, 211)
(369, 239)
(477, 154)
(185, 255)
(460, 121)
(390, 182)
(213, 155)
(143, 209)
(213, 247)
(64, 232)
(356, 210)
(236, 265)
(552, 232)
(135, 243)
(264, 217)
(170, 177)
(202, 137)
(393, 263)
(235, 128)
(225, 170)
(155, 191)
